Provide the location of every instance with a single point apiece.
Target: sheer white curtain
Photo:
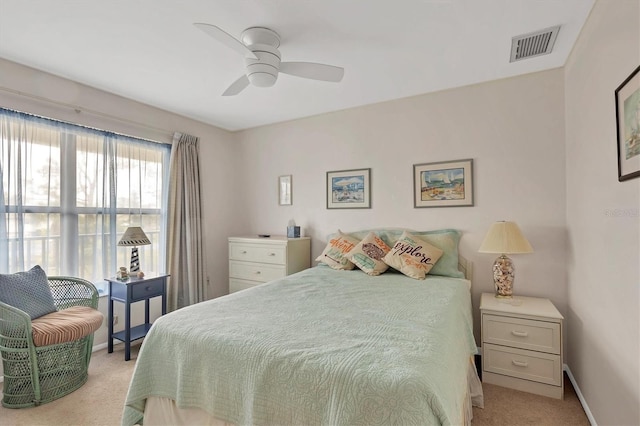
(185, 245)
(68, 193)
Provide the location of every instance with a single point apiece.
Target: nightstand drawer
(147, 289)
(255, 271)
(528, 365)
(535, 335)
(263, 253)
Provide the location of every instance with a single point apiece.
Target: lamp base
(503, 277)
(135, 261)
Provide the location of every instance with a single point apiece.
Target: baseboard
(583, 401)
(100, 347)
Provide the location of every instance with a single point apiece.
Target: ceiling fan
(262, 59)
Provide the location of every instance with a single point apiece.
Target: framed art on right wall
(628, 125)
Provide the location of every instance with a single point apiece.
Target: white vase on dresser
(256, 260)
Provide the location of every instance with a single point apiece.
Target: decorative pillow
(445, 239)
(368, 254)
(335, 253)
(28, 291)
(412, 256)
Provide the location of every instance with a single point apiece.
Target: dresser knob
(519, 333)
(258, 272)
(243, 252)
(272, 254)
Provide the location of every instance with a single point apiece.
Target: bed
(320, 347)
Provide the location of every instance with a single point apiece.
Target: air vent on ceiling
(533, 44)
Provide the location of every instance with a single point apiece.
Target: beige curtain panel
(185, 249)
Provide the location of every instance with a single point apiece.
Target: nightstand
(522, 344)
(128, 292)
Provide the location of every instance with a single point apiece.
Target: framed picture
(285, 192)
(443, 184)
(349, 189)
(628, 124)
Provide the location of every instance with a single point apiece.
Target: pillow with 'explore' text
(412, 256)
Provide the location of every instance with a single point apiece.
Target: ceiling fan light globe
(262, 79)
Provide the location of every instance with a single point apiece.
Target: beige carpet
(100, 401)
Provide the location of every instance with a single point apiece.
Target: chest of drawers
(522, 344)
(255, 260)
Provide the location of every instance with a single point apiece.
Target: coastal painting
(628, 125)
(349, 189)
(443, 184)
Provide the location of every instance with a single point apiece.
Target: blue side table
(128, 292)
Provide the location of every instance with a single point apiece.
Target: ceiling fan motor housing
(263, 72)
(264, 43)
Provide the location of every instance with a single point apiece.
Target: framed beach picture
(285, 191)
(443, 184)
(349, 189)
(628, 125)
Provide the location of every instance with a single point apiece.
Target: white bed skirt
(160, 411)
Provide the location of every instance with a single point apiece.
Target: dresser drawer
(236, 284)
(146, 289)
(528, 365)
(535, 335)
(255, 271)
(263, 253)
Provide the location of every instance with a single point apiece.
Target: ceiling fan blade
(226, 39)
(237, 86)
(313, 71)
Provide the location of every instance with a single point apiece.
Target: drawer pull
(148, 288)
(258, 272)
(272, 254)
(519, 333)
(243, 252)
(520, 363)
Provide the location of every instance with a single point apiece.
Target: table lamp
(133, 237)
(504, 238)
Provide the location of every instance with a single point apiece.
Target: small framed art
(443, 184)
(628, 125)
(349, 189)
(285, 192)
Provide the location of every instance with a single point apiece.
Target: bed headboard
(466, 267)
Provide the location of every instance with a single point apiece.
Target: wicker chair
(35, 375)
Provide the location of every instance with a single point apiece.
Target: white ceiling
(149, 51)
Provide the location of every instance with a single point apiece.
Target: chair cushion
(28, 291)
(65, 326)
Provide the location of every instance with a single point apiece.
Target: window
(68, 193)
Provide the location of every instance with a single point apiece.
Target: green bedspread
(320, 347)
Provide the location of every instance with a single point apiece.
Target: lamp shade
(505, 238)
(134, 236)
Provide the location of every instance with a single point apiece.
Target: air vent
(533, 44)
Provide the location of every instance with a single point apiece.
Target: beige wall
(512, 128)
(603, 217)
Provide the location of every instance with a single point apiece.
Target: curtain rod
(78, 109)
